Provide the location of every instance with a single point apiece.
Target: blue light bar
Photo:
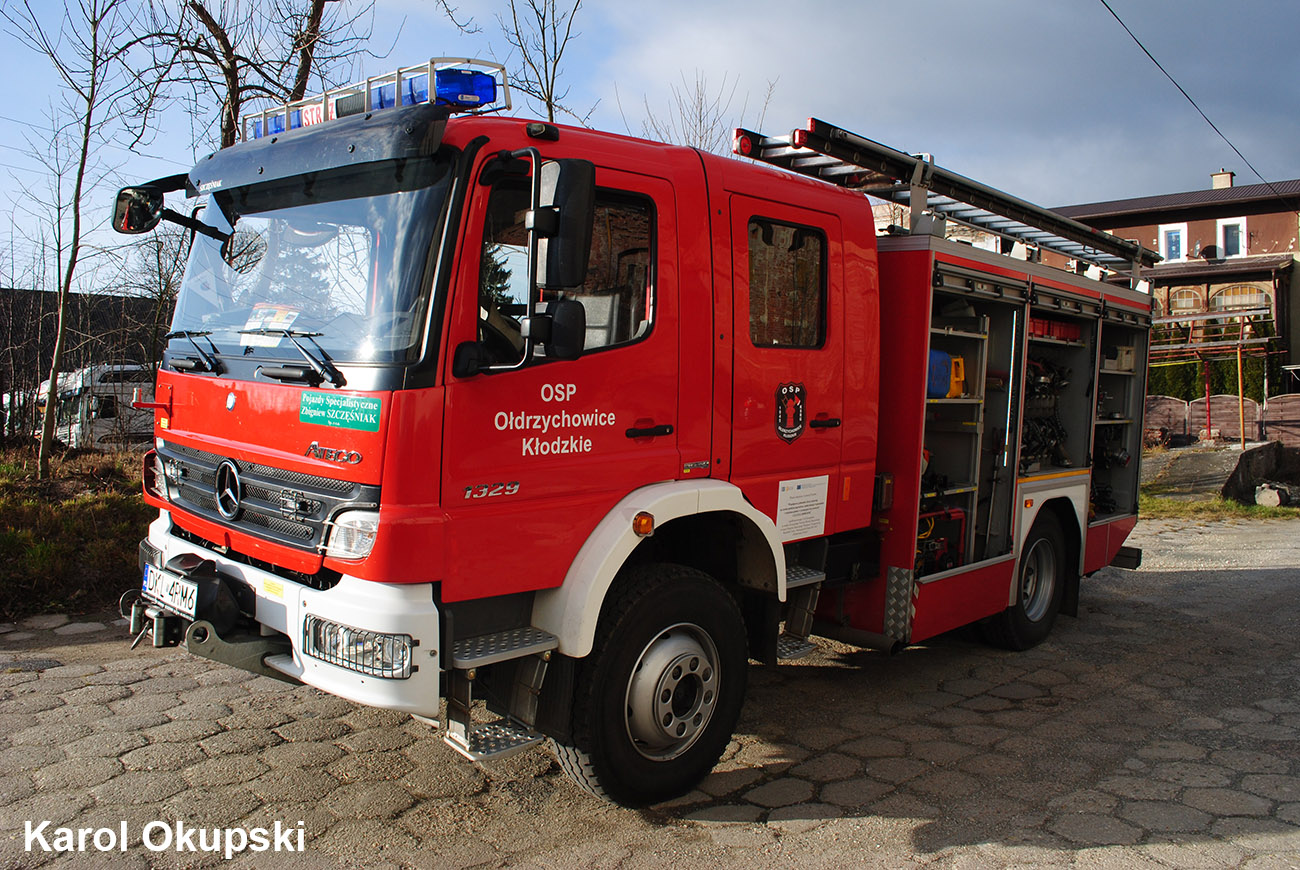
(465, 87)
(465, 90)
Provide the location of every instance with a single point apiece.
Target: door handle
(651, 431)
(830, 423)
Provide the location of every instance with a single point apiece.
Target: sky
(1049, 100)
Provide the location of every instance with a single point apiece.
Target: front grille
(275, 504)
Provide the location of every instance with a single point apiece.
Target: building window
(1173, 241)
(1184, 300)
(1232, 237)
(1240, 296)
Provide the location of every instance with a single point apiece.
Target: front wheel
(1040, 586)
(658, 698)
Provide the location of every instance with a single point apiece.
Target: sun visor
(413, 131)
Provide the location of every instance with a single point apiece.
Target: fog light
(366, 652)
(353, 535)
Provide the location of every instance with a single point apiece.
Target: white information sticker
(801, 507)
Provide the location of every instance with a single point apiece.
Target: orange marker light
(643, 524)
(1029, 502)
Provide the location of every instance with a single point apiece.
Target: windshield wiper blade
(321, 365)
(210, 363)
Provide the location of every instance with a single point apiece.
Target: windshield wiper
(206, 362)
(322, 365)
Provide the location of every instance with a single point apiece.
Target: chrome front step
(485, 741)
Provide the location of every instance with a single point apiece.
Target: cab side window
(787, 284)
(618, 294)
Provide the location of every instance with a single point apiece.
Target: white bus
(94, 407)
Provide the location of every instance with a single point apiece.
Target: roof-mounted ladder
(831, 154)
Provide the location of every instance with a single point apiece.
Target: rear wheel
(1040, 586)
(657, 700)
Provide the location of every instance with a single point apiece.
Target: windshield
(339, 255)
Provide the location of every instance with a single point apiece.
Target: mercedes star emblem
(228, 490)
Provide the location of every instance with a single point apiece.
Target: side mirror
(568, 328)
(568, 188)
(138, 210)
(468, 360)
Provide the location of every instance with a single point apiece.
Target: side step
(491, 740)
(804, 586)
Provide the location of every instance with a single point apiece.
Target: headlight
(367, 652)
(353, 535)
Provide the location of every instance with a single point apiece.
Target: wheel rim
(672, 692)
(1037, 580)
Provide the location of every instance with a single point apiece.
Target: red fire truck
(461, 410)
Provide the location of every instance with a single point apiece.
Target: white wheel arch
(570, 611)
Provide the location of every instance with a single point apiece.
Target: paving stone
(1192, 775)
(311, 730)
(56, 807)
(104, 745)
(1093, 829)
(163, 756)
(1259, 835)
(145, 704)
(376, 740)
(76, 773)
(1245, 714)
(300, 755)
(827, 767)
(1289, 813)
(781, 792)
(720, 783)
(137, 787)
(725, 813)
(1201, 723)
(95, 695)
(802, 818)
(1272, 786)
(371, 765)
(225, 770)
(25, 759)
(75, 628)
(1226, 802)
(855, 792)
(49, 735)
(278, 786)
(1194, 853)
(182, 731)
(43, 622)
(242, 742)
(940, 751)
(1164, 816)
(1016, 691)
(199, 711)
(368, 800)
(875, 747)
(895, 770)
(19, 636)
(1085, 801)
(986, 703)
(1172, 750)
(992, 764)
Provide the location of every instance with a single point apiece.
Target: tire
(1040, 587)
(657, 700)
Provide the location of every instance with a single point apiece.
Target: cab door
(542, 453)
(788, 397)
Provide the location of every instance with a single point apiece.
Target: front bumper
(281, 607)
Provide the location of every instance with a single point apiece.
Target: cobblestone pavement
(1160, 729)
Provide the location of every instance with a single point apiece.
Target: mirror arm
(194, 224)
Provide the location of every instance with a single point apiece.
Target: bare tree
(540, 31)
(226, 53)
(88, 48)
(699, 116)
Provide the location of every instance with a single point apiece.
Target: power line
(1188, 96)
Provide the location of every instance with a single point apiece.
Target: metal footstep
(492, 740)
(788, 647)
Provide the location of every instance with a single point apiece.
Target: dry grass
(68, 543)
